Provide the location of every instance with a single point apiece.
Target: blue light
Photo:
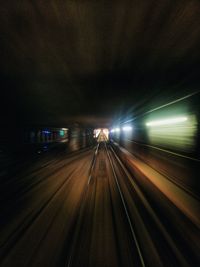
(46, 132)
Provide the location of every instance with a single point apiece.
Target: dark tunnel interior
(100, 133)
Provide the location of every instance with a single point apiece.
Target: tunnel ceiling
(91, 61)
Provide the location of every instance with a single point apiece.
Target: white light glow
(166, 121)
(114, 130)
(97, 132)
(106, 132)
(117, 129)
(127, 128)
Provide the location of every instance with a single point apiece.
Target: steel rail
(150, 210)
(126, 210)
(69, 262)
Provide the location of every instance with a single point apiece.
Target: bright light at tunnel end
(166, 121)
(115, 130)
(127, 128)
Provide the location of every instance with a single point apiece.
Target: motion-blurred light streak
(177, 133)
(127, 128)
(117, 130)
(97, 132)
(167, 121)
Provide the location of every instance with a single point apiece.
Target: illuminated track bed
(89, 210)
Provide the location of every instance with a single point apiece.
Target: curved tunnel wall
(171, 149)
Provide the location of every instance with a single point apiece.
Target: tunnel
(100, 133)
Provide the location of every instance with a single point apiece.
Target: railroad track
(72, 257)
(28, 219)
(144, 243)
(126, 210)
(105, 215)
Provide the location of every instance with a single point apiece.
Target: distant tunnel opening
(100, 132)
